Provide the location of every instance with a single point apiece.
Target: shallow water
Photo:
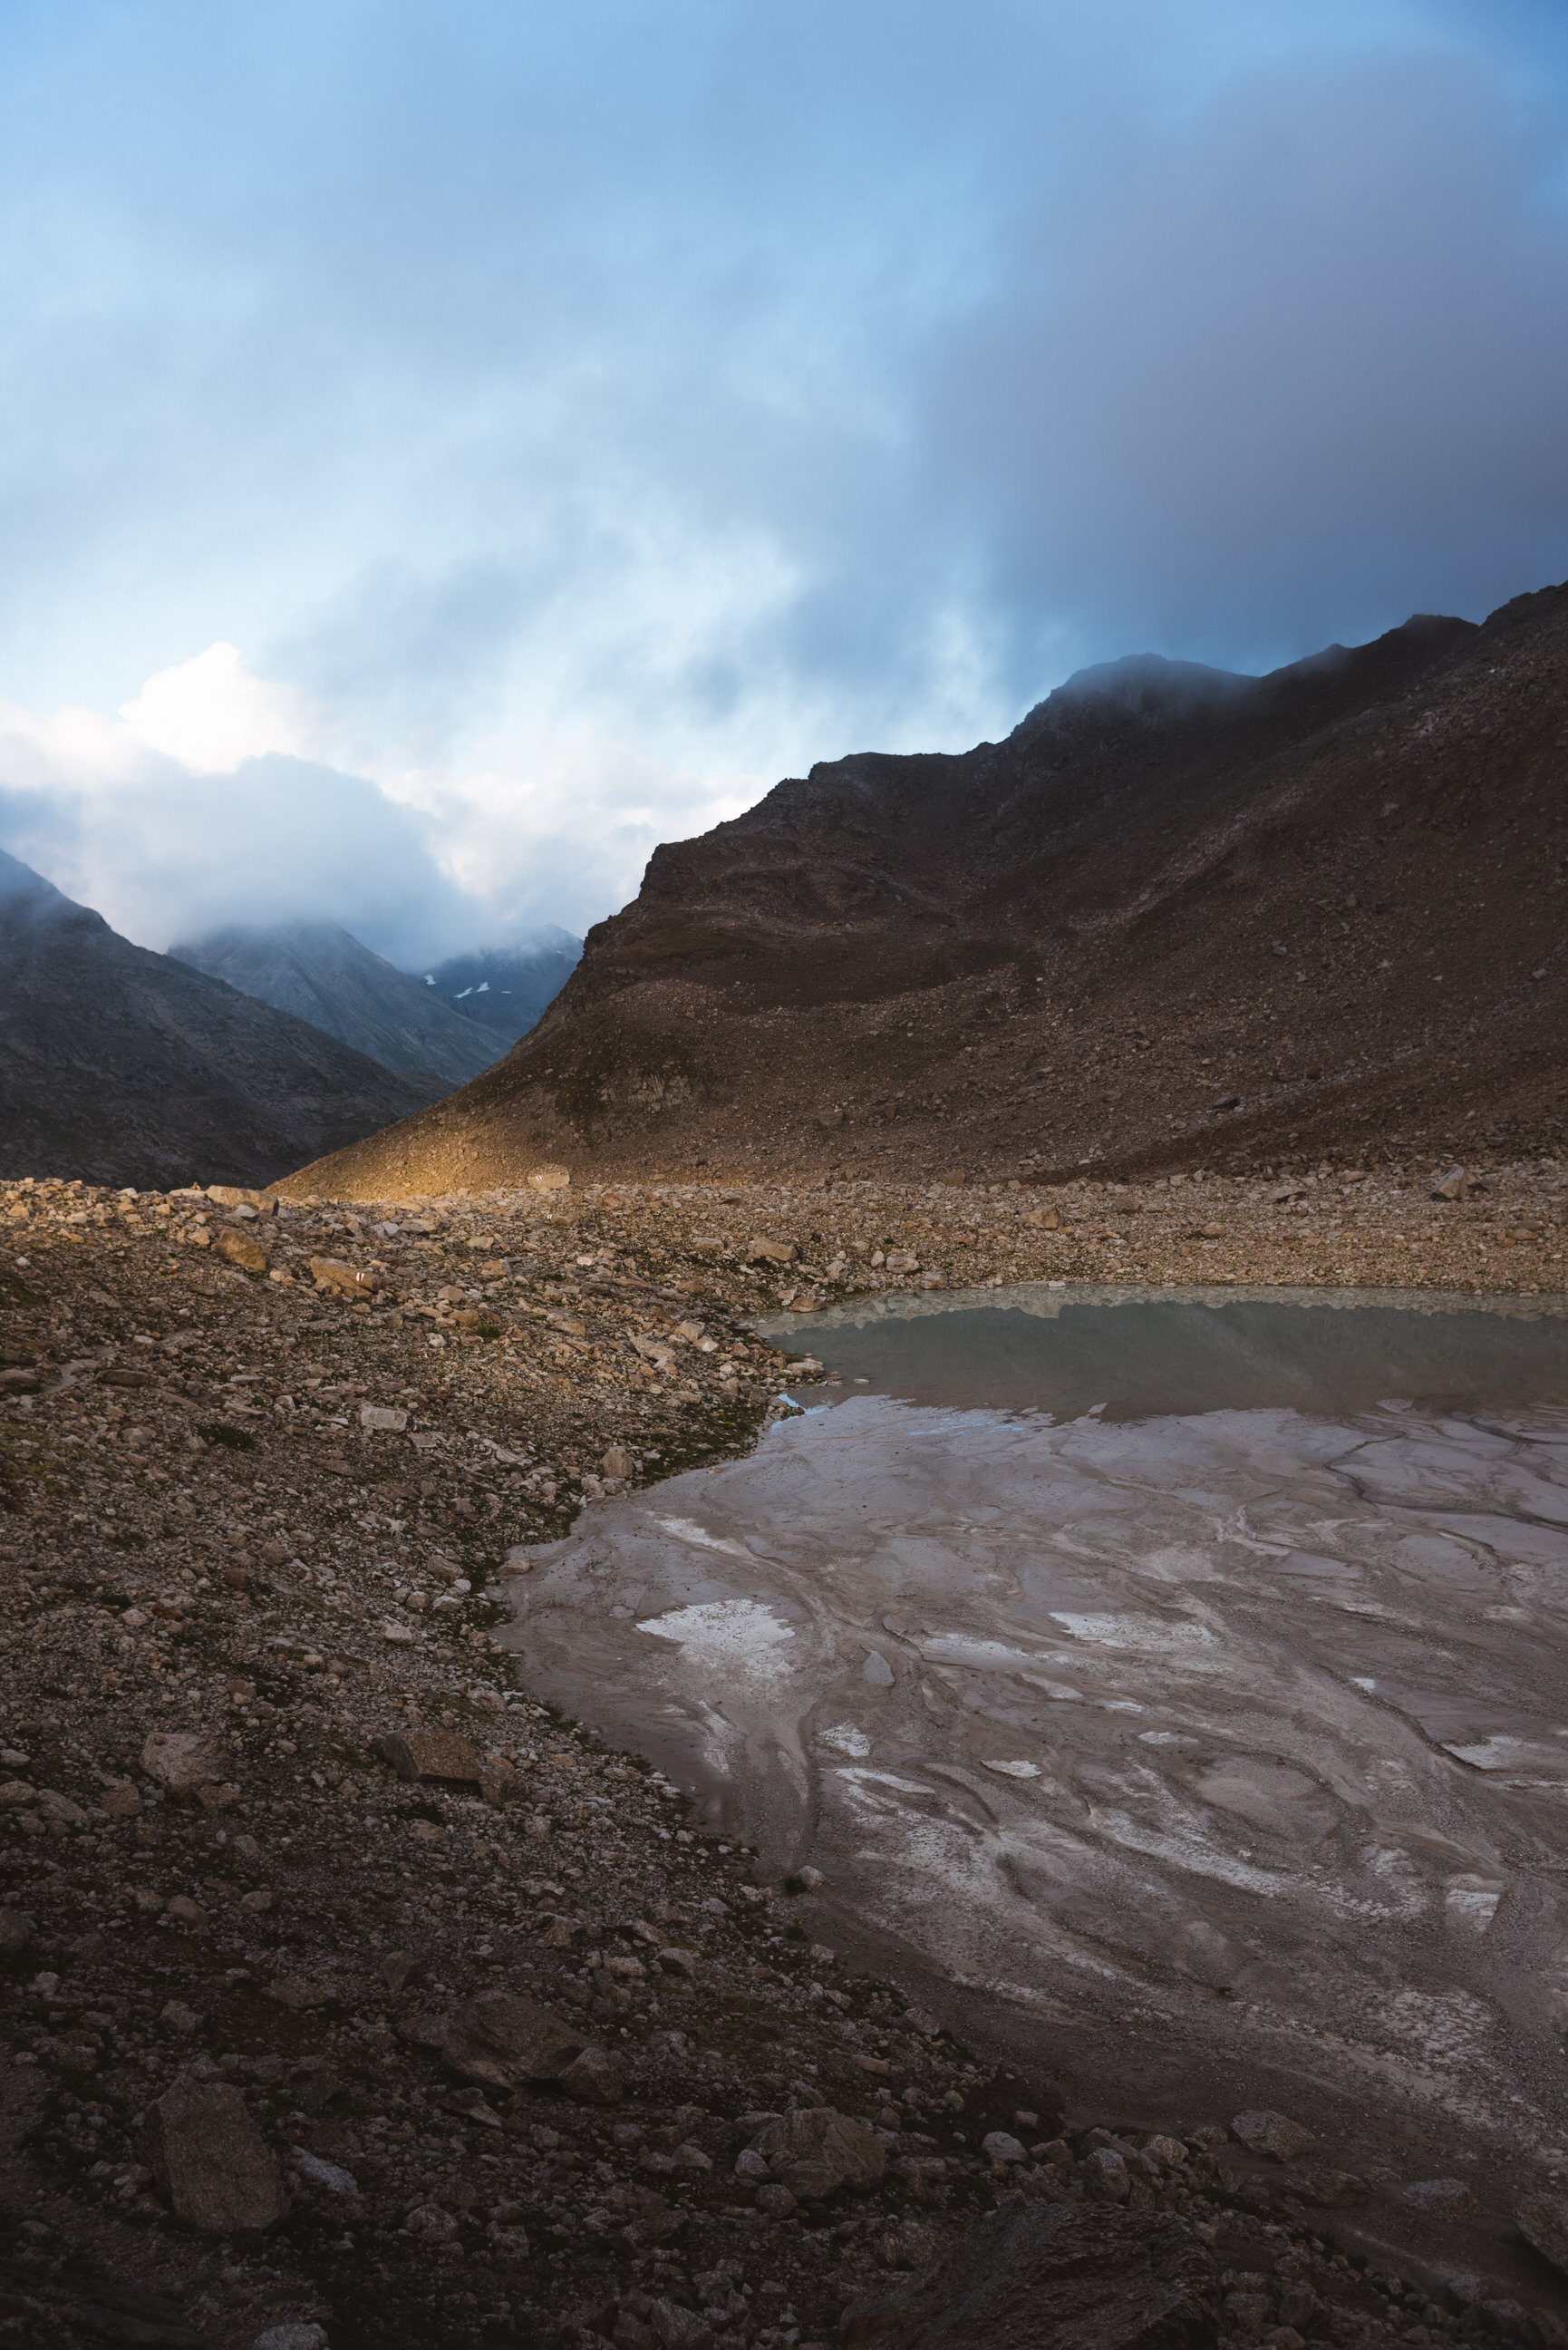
(1225, 1744)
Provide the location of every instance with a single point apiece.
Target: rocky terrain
(1179, 919)
(118, 1066)
(321, 973)
(354, 1998)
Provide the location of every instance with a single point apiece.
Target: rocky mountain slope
(321, 973)
(123, 1066)
(506, 989)
(1178, 916)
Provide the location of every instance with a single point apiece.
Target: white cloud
(218, 795)
(211, 713)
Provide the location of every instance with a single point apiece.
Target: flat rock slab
(183, 1761)
(501, 2039)
(432, 1754)
(210, 2161)
(1052, 2276)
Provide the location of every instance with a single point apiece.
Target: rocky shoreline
(308, 1907)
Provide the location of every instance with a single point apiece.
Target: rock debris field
(355, 1997)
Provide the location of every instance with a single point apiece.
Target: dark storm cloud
(590, 413)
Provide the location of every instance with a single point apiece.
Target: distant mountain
(121, 1067)
(1176, 918)
(320, 973)
(506, 989)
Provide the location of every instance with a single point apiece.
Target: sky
(445, 451)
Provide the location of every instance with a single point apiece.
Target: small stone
(400, 1969)
(1264, 2132)
(178, 2017)
(877, 1671)
(1336, 2190)
(1454, 1185)
(244, 1254)
(383, 1417)
(806, 1880)
(298, 1991)
(182, 1911)
(596, 2076)
(677, 2328)
(329, 2176)
(183, 1761)
(499, 1780)
(430, 2223)
(208, 2157)
(472, 2106)
(617, 1464)
(430, 1754)
(774, 2202)
(910, 2245)
(261, 1899)
(501, 2039)
(764, 1252)
(1444, 2199)
(1106, 2176)
(16, 1932)
(121, 1801)
(291, 2337)
(1003, 2147)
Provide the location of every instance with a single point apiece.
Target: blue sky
(528, 432)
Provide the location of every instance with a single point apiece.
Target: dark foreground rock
(1045, 2276)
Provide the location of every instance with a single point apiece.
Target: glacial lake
(1171, 1686)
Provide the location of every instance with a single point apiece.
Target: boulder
(762, 1252)
(1050, 2276)
(432, 1754)
(183, 1761)
(235, 1195)
(1264, 2132)
(596, 2077)
(347, 1280)
(501, 2039)
(244, 1254)
(816, 2150)
(1543, 2222)
(209, 2158)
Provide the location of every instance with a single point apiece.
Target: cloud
(211, 714)
(216, 798)
(578, 418)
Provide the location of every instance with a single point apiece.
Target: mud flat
(1198, 1744)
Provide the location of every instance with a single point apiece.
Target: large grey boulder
(1052, 2276)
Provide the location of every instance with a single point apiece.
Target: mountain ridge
(1176, 916)
(321, 972)
(120, 1066)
